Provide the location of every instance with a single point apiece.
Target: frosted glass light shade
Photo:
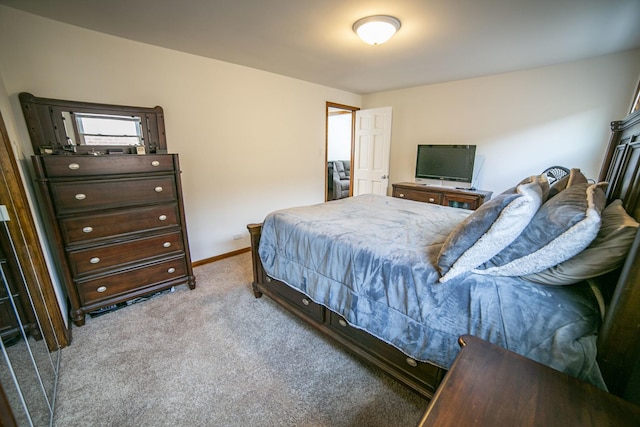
(376, 29)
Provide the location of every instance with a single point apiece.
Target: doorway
(339, 148)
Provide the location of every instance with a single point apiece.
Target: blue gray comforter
(372, 260)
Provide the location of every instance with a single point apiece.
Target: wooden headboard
(619, 338)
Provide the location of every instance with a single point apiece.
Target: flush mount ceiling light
(376, 29)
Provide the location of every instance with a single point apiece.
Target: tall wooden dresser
(119, 223)
(112, 203)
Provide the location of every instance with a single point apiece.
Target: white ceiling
(312, 40)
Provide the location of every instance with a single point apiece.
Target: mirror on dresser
(111, 198)
(70, 127)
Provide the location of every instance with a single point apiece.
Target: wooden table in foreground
(490, 386)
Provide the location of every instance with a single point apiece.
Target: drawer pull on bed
(268, 279)
(101, 289)
(171, 270)
(158, 189)
(80, 196)
(94, 260)
(411, 362)
(342, 322)
(305, 301)
(155, 163)
(162, 217)
(166, 244)
(74, 166)
(87, 229)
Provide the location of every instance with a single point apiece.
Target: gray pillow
(606, 253)
(490, 228)
(564, 226)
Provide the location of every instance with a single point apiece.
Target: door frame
(326, 143)
(29, 252)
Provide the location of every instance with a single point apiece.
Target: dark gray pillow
(562, 227)
(490, 228)
(606, 253)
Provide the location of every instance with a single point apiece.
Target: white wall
(339, 137)
(522, 122)
(249, 141)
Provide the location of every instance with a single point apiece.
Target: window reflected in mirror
(102, 129)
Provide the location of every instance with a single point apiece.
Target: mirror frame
(43, 117)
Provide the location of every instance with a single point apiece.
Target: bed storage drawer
(425, 374)
(299, 300)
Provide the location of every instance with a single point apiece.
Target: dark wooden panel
(490, 386)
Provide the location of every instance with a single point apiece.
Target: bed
(525, 271)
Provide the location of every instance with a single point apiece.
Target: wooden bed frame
(619, 337)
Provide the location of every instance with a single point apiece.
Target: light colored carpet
(217, 356)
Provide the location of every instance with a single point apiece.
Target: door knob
(384, 177)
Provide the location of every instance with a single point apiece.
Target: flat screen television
(445, 162)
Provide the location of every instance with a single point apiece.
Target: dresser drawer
(96, 290)
(106, 257)
(83, 196)
(76, 166)
(92, 227)
(418, 195)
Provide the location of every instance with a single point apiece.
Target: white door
(370, 167)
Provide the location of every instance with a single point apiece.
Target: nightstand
(490, 386)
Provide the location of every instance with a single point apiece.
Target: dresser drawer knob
(431, 200)
(80, 196)
(342, 322)
(155, 163)
(74, 166)
(162, 217)
(171, 270)
(101, 289)
(411, 362)
(166, 244)
(401, 195)
(158, 189)
(305, 301)
(87, 229)
(94, 260)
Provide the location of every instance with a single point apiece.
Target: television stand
(445, 196)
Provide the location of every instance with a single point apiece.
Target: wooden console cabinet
(445, 196)
(116, 224)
